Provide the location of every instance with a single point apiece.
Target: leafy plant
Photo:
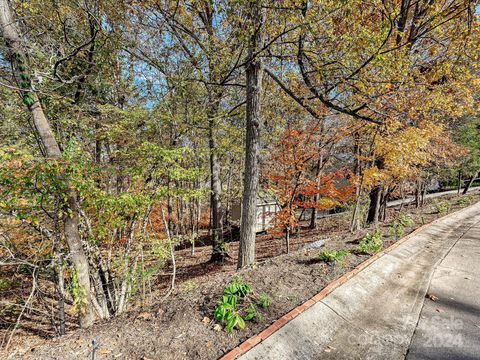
(226, 310)
(441, 207)
(237, 287)
(78, 293)
(264, 300)
(464, 201)
(239, 304)
(251, 312)
(332, 256)
(405, 219)
(5, 284)
(371, 243)
(397, 229)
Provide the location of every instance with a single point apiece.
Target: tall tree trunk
(246, 254)
(316, 197)
(418, 193)
(402, 20)
(374, 208)
(355, 224)
(287, 239)
(459, 185)
(218, 247)
(61, 296)
(20, 65)
(469, 184)
(383, 203)
(375, 197)
(423, 193)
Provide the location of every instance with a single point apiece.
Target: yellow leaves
(373, 176)
(326, 203)
(404, 150)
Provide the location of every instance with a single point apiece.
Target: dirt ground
(182, 326)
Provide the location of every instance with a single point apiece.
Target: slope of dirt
(182, 326)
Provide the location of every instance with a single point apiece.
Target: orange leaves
(293, 182)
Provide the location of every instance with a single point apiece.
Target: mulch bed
(182, 327)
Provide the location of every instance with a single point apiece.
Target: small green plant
(78, 293)
(239, 304)
(371, 243)
(264, 300)
(332, 256)
(441, 207)
(405, 219)
(226, 310)
(397, 229)
(237, 287)
(464, 201)
(251, 312)
(5, 284)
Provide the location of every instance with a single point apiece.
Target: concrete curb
(276, 325)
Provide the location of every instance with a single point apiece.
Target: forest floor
(182, 326)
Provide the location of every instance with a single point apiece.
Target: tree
(254, 74)
(23, 72)
(205, 35)
(293, 186)
(469, 136)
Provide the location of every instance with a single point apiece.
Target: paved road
(411, 199)
(375, 314)
(407, 200)
(449, 327)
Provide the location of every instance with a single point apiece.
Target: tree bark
(61, 297)
(355, 224)
(418, 193)
(316, 197)
(246, 254)
(78, 257)
(469, 184)
(218, 248)
(383, 203)
(376, 194)
(459, 185)
(374, 208)
(287, 239)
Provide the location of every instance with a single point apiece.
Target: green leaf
(240, 322)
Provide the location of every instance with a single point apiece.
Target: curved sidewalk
(374, 314)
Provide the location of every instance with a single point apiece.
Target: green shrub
(441, 207)
(239, 304)
(237, 287)
(397, 229)
(371, 243)
(5, 284)
(332, 256)
(405, 219)
(264, 300)
(465, 201)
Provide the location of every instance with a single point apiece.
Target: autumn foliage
(292, 183)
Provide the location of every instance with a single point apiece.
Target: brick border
(277, 324)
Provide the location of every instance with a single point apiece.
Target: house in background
(266, 209)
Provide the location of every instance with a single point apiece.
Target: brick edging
(277, 324)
